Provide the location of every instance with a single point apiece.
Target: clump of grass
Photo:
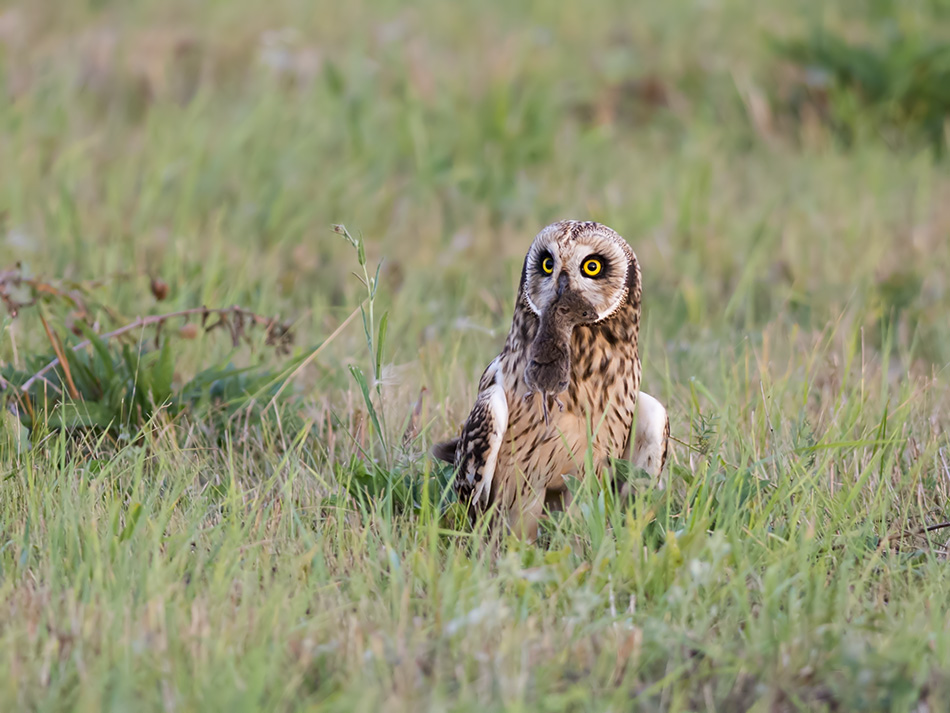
(376, 476)
(117, 387)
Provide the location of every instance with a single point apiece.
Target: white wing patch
(652, 436)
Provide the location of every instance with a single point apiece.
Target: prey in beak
(549, 358)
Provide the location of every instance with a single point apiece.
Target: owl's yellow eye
(592, 267)
(547, 264)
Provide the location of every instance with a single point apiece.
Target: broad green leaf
(162, 374)
(87, 382)
(99, 346)
(81, 414)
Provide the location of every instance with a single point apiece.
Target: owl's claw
(544, 404)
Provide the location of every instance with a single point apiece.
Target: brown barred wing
(477, 452)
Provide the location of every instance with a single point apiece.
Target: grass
(795, 324)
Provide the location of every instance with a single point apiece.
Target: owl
(566, 383)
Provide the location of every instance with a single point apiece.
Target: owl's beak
(568, 308)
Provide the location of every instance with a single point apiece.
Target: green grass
(796, 301)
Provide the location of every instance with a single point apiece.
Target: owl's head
(575, 273)
(585, 270)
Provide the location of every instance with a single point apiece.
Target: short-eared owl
(567, 379)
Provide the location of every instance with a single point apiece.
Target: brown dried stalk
(78, 294)
(11, 280)
(235, 319)
(60, 357)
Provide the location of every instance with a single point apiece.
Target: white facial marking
(615, 305)
(531, 304)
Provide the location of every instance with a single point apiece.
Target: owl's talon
(560, 404)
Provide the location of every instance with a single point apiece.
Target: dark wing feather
(445, 451)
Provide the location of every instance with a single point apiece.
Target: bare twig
(14, 279)
(277, 333)
(925, 530)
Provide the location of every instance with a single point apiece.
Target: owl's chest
(596, 413)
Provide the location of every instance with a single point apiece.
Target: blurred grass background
(794, 232)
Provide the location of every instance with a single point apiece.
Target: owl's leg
(558, 499)
(649, 446)
(524, 517)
